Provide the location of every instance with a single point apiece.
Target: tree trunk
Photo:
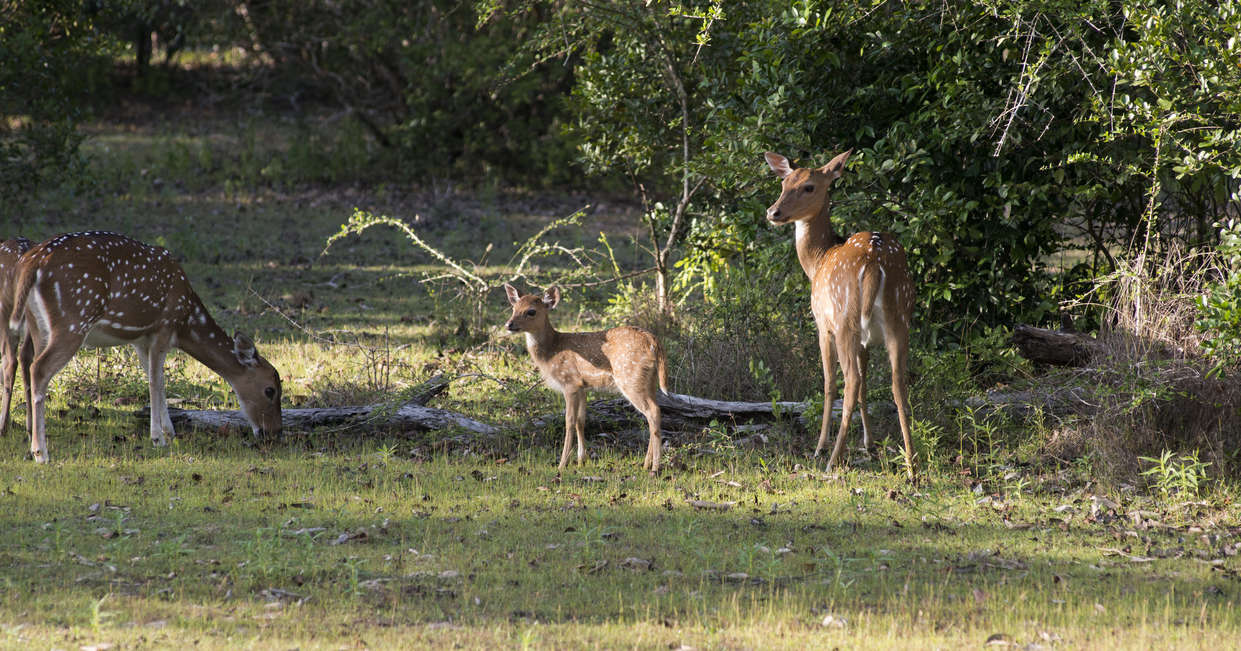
(661, 286)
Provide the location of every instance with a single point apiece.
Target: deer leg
(863, 364)
(570, 418)
(827, 351)
(581, 428)
(898, 355)
(52, 356)
(9, 371)
(848, 363)
(654, 420)
(644, 401)
(27, 358)
(152, 354)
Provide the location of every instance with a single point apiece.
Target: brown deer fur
(627, 359)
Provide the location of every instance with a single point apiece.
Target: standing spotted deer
(102, 289)
(627, 359)
(860, 293)
(11, 346)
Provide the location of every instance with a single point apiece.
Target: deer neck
(204, 340)
(542, 344)
(814, 238)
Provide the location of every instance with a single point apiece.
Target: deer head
(803, 192)
(530, 311)
(257, 386)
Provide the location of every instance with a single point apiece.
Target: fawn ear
(778, 164)
(512, 294)
(836, 166)
(243, 349)
(551, 297)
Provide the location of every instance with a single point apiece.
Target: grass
(386, 539)
(318, 542)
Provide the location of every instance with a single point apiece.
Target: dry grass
(742, 349)
(1152, 390)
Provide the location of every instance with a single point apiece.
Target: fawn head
(803, 192)
(530, 311)
(258, 387)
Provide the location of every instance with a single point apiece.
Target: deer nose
(512, 327)
(773, 214)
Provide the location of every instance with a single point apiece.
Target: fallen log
(1022, 404)
(680, 413)
(685, 412)
(413, 414)
(693, 407)
(406, 416)
(1056, 348)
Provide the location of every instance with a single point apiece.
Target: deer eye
(531, 312)
(270, 392)
(808, 188)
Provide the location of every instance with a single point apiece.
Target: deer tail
(871, 281)
(21, 294)
(663, 366)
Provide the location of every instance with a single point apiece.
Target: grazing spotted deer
(11, 346)
(860, 293)
(627, 359)
(102, 289)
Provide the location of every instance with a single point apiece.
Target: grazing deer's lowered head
(860, 293)
(103, 289)
(627, 359)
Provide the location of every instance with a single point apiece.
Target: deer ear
(778, 164)
(836, 167)
(243, 349)
(512, 294)
(551, 297)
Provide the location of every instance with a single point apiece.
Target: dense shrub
(1220, 302)
(424, 80)
(51, 58)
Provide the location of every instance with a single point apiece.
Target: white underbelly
(105, 334)
(99, 338)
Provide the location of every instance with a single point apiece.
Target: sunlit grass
(325, 537)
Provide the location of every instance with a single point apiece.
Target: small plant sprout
(386, 453)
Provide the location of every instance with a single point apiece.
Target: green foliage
(426, 82)
(1176, 476)
(1220, 305)
(50, 59)
(987, 135)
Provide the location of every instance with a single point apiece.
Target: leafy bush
(51, 58)
(1220, 304)
(424, 80)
